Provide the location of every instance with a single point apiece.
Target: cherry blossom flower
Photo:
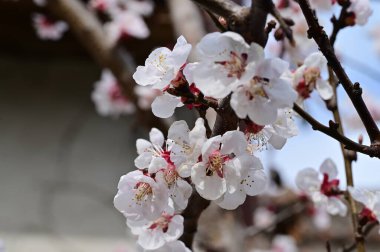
(252, 182)
(162, 69)
(309, 76)
(140, 197)
(186, 145)
(124, 25)
(154, 234)
(275, 134)
(361, 9)
(104, 5)
(48, 29)
(226, 167)
(371, 202)
(325, 192)
(152, 155)
(225, 61)
(264, 93)
(109, 99)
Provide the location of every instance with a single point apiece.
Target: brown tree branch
(88, 30)
(250, 23)
(332, 105)
(354, 91)
(372, 151)
(224, 8)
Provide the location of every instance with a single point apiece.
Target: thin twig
(284, 26)
(372, 151)
(366, 231)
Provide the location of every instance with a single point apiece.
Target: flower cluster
(260, 89)
(371, 203)
(326, 192)
(126, 17)
(152, 197)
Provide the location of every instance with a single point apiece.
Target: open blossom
(152, 154)
(162, 69)
(276, 134)
(264, 92)
(325, 192)
(371, 202)
(126, 24)
(361, 9)
(309, 77)
(225, 61)
(252, 182)
(227, 168)
(140, 197)
(48, 29)
(154, 234)
(186, 145)
(108, 97)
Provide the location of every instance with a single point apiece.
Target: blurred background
(60, 161)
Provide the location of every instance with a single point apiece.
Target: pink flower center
(303, 90)
(236, 65)
(143, 190)
(330, 188)
(253, 128)
(256, 87)
(215, 163)
(367, 215)
(162, 222)
(170, 175)
(311, 75)
(116, 94)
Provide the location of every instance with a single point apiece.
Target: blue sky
(311, 148)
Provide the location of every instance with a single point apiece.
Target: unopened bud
(279, 34)
(360, 139)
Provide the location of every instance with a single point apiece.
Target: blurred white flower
(48, 29)
(324, 193)
(108, 98)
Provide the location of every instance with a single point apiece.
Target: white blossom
(370, 200)
(163, 65)
(186, 145)
(125, 24)
(227, 170)
(362, 10)
(225, 61)
(48, 29)
(154, 234)
(309, 77)
(109, 99)
(140, 197)
(162, 69)
(264, 93)
(324, 193)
